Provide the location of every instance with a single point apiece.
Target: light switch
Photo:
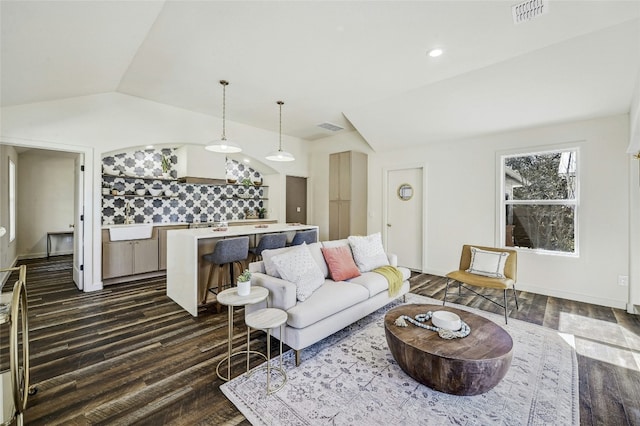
(298, 209)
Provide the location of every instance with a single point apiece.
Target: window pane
(543, 176)
(544, 227)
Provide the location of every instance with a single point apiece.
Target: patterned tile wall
(177, 202)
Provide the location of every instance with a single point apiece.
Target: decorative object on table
(166, 167)
(262, 226)
(262, 212)
(446, 333)
(244, 283)
(280, 155)
(223, 145)
(372, 389)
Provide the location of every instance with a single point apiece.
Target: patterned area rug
(351, 378)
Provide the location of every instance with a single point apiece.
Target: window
(540, 202)
(12, 201)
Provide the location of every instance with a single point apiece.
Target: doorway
(51, 198)
(404, 216)
(296, 200)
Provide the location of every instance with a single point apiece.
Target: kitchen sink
(138, 231)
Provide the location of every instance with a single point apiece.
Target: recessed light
(149, 147)
(434, 53)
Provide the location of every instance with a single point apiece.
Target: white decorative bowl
(110, 170)
(155, 192)
(141, 191)
(446, 320)
(168, 193)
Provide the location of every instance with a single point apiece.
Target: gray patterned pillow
(298, 266)
(368, 252)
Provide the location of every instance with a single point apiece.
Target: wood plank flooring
(129, 355)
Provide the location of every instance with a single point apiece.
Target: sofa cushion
(314, 249)
(376, 283)
(340, 263)
(298, 266)
(324, 303)
(336, 243)
(368, 252)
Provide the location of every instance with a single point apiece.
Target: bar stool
(309, 237)
(226, 252)
(268, 242)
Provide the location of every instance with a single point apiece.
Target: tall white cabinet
(347, 194)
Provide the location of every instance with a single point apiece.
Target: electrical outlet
(623, 280)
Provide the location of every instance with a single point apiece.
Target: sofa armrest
(257, 267)
(282, 294)
(393, 259)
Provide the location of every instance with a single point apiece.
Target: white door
(78, 223)
(404, 223)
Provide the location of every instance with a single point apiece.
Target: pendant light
(223, 145)
(280, 155)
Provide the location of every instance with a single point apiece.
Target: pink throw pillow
(340, 263)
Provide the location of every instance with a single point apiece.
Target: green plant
(166, 164)
(245, 276)
(247, 182)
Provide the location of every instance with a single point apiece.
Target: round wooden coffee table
(468, 366)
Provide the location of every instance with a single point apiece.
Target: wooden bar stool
(226, 252)
(268, 242)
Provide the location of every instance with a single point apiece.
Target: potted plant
(244, 283)
(166, 167)
(262, 212)
(247, 182)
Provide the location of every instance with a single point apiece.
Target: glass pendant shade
(280, 155)
(223, 145)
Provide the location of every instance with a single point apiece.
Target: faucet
(127, 211)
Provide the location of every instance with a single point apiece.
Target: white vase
(244, 288)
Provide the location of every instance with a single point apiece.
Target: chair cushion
(368, 252)
(298, 266)
(340, 263)
(487, 263)
(480, 280)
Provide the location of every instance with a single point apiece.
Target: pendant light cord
(224, 102)
(280, 144)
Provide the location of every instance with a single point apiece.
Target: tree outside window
(540, 200)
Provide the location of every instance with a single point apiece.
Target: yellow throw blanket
(393, 276)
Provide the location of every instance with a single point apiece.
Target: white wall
(461, 203)
(110, 122)
(46, 204)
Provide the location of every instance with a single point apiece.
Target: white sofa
(333, 306)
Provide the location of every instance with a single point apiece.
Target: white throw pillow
(368, 252)
(488, 263)
(298, 266)
(269, 266)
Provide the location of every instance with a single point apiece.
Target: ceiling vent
(529, 9)
(330, 126)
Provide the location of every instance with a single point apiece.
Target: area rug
(351, 378)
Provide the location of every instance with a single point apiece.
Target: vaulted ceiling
(359, 64)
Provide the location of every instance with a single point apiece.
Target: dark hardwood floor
(129, 355)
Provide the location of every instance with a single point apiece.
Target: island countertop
(186, 273)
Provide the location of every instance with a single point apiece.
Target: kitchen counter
(186, 274)
(230, 222)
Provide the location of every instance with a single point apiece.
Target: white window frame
(12, 201)
(501, 203)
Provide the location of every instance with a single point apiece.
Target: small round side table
(266, 319)
(231, 298)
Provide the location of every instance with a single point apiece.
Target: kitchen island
(187, 274)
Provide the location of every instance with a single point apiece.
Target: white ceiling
(357, 63)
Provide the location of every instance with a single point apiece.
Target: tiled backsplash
(186, 202)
